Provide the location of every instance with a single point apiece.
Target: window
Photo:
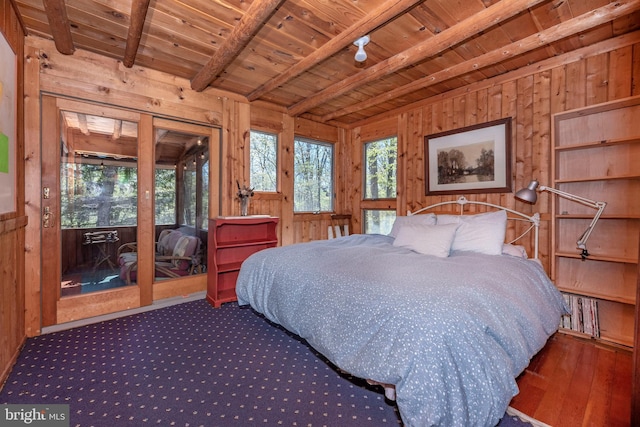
(98, 192)
(377, 221)
(263, 154)
(313, 176)
(380, 168)
(165, 196)
(195, 185)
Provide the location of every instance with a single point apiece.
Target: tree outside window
(165, 193)
(378, 221)
(196, 192)
(380, 169)
(313, 176)
(264, 161)
(97, 193)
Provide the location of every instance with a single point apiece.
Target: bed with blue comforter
(451, 334)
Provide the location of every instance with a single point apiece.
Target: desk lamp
(530, 195)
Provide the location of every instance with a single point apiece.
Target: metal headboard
(534, 219)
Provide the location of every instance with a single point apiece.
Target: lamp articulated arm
(582, 240)
(528, 194)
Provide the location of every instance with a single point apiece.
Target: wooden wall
(12, 225)
(146, 91)
(592, 75)
(601, 72)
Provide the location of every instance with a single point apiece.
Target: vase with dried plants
(244, 195)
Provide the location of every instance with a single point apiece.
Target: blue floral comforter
(451, 334)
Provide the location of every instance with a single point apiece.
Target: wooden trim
(50, 236)
(182, 286)
(635, 379)
(13, 224)
(18, 16)
(285, 180)
(97, 303)
(32, 174)
(100, 110)
(146, 212)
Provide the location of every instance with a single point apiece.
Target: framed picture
(473, 159)
(8, 133)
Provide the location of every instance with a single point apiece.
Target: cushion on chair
(171, 243)
(185, 247)
(163, 247)
(126, 260)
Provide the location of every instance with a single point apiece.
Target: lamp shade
(361, 55)
(528, 194)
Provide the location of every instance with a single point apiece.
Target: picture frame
(472, 159)
(8, 130)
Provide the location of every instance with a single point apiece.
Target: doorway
(105, 175)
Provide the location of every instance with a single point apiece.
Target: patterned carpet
(192, 365)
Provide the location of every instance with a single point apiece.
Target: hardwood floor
(577, 382)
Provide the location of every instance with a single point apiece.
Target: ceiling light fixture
(361, 55)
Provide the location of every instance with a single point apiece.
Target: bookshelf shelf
(599, 162)
(231, 241)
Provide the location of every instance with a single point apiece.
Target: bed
(441, 312)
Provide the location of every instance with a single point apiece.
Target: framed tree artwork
(473, 159)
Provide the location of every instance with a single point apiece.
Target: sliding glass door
(186, 182)
(115, 186)
(89, 203)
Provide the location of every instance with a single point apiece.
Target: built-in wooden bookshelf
(597, 156)
(231, 241)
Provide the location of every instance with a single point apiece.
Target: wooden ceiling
(299, 54)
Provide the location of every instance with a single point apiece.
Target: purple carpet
(193, 365)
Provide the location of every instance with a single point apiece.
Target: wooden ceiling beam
(60, 26)
(448, 38)
(117, 129)
(82, 124)
(102, 145)
(139, 10)
(242, 33)
(374, 19)
(568, 28)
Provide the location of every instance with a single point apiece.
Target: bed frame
(533, 220)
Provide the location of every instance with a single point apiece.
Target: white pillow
(426, 219)
(514, 250)
(427, 239)
(482, 233)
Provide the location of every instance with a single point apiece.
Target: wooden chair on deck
(340, 226)
(177, 254)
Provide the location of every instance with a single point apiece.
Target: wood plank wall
(598, 73)
(12, 225)
(595, 74)
(147, 91)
